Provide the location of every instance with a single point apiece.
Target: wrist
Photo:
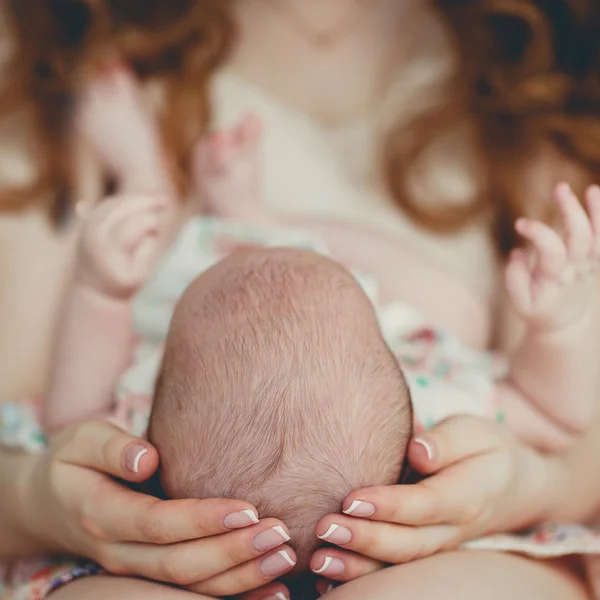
(85, 291)
(20, 522)
(574, 326)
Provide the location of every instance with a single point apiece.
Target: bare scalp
(277, 388)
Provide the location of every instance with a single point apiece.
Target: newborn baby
(277, 388)
(277, 383)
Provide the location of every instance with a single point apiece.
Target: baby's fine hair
(278, 388)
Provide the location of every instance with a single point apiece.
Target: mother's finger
(115, 513)
(199, 560)
(452, 441)
(172, 521)
(271, 591)
(390, 543)
(104, 447)
(249, 575)
(456, 495)
(340, 565)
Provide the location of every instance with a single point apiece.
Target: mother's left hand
(483, 480)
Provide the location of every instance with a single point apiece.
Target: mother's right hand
(74, 506)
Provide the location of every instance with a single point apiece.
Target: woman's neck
(332, 60)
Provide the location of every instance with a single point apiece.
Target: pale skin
(119, 246)
(20, 307)
(552, 287)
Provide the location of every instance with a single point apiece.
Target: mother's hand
(483, 481)
(73, 506)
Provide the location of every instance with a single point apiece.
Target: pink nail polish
(358, 508)
(428, 447)
(336, 534)
(241, 519)
(133, 455)
(277, 564)
(271, 538)
(332, 567)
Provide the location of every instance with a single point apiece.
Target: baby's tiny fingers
(131, 233)
(143, 261)
(551, 249)
(119, 209)
(593, 203)
(578, 231)
(518, 280)
(221, 150)
(340, 565)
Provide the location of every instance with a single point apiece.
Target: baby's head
(277, 388)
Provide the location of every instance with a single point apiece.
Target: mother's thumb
(102, 446)
(452, 441)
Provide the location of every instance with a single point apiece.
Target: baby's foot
(120, 243)
(555, 285)
(122, 131)
(226, 172)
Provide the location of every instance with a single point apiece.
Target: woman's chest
(310, 171)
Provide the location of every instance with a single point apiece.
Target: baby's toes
(223, 148)
(249, 131)
(201, 158)
(578, 229)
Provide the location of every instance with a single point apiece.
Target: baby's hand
(555, 285)
(120, 243)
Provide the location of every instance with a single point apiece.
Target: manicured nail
(332, 567)
(358, 508)
(329, 588)
(427, 446)
(133, 455)
(271, 538)
(277, 564)
(336, 534)
(241, 519)
(277, 596)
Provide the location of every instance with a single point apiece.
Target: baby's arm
(117, 252)
(551, 391)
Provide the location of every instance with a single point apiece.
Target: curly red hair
(528, 77)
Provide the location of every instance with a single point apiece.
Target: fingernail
(336, 534)
(332, 567)
(271, 539)
(358, 508)
(277, 564)
(241, 519)
(133, 455)
(329, 588)
(427, 446)
(277, 596)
